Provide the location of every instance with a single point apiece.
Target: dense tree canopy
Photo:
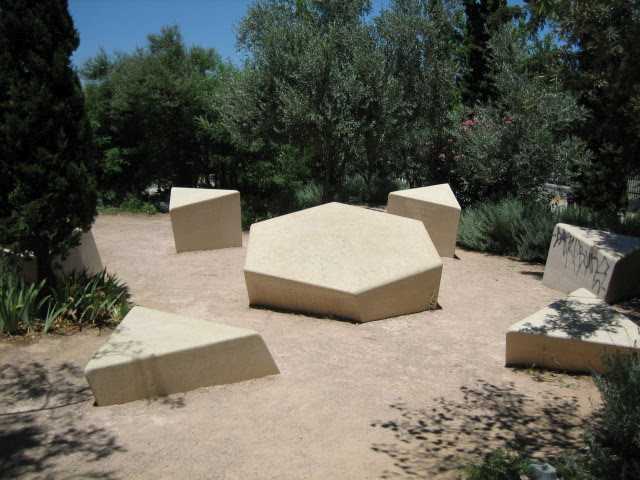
(334, 102)
(602, 67)
(484, 18)
(146, 108)
(47, 188)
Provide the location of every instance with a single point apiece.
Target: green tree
(421, 41)
(514, 144)
(483, 19)
(315, 80)
(47, 186)
(602, 67)
(153, 115)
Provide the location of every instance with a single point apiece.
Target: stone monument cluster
(357, 264)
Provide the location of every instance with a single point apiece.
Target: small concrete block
(605, 263)
(153, 353)
(343, 261)
(435, 206)
(205, 219)
(572, 335)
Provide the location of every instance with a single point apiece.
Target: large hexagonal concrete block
(435, 206)
(153, 353)
(343, 261)
(205, 219)
(572, 334)
(604, 263)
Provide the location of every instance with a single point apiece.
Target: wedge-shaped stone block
(154, 353)
(572, 334)
(343, 261)
(205, 219)
(435, 206)
(604, 263)
(85, 257)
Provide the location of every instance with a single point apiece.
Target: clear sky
(122, 25)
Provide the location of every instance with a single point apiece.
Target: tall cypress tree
(47, 186)
(483, 19)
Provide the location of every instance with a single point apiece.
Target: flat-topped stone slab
(205, 218)
(153, 353)
(604, 263)
(435, 206)
(571, 334)
(344, 261)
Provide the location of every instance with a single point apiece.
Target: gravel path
(409, 397)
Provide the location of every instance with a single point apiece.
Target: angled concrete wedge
(205, 218)
(435, 206)
(153, 353)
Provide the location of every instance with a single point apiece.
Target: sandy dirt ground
(409, 397)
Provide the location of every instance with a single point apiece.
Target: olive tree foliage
(152, 117)
(513, 145)
(421, 43)
(47, 185)
(314, 81)
(361, 100)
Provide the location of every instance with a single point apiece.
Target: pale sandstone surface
(344, 261)
(572, 334)
(154, 353)
(437, 207)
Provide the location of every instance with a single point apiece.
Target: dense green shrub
(74, 301)
(614, 439)
(99, 300)
(499, 465)
(309, 195)
(131, 204)
(154, 115)
(602, 67)
(523, 229)
(21, 303)
(522, 139)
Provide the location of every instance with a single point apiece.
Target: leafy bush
(131, 204)
(20, 302)
(573, 467)
(499, 465)
(523, 228)
(309, 195)
(76, 300)
(614, 439)
(99, 300)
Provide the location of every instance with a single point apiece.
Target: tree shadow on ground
(40, 422)
(576, 319)
(450, 434)
(533, 273)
